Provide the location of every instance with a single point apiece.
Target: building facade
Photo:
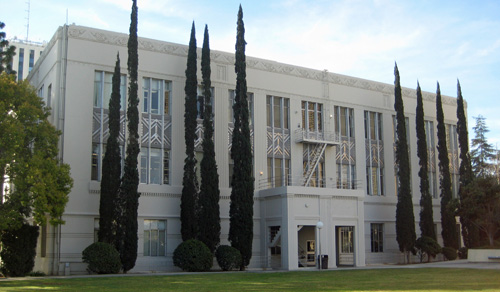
(27, 53)
(323, 147)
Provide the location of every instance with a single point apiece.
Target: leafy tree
(482, 152)
(448, 222)
(29, 159)
(209, 219)
(469, 232)
(128, 201)
(427, 246)
(241, 207)
(481, 203)
(111, 164)
(189, 180)
(405, 220)
(426, 214)
(7, 52)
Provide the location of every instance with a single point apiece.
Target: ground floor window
(155, 237)
(377, 237)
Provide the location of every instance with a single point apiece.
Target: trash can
(324, 261)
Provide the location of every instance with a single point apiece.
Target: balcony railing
(329, 183)
(306, 136)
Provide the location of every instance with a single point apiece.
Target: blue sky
(430, 40)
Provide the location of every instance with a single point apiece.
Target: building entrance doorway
(306, 237)
(345, 245)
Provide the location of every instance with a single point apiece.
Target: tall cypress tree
(448, 223)
(129, 196)
(111, 164)
(405, 220)
(469, 232)
(209, 219)
(189, 181)
(426, 216)
(241, 207)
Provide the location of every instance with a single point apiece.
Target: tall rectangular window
(431, 154)
(31, 60)
(49, 95)
(345, 152)
(453, 155)
(200, 103)
(395, 137)
(374, 154)
(312, 116)
(20, 65)
(101, 97)
(155, 238)
(155, 153)
(377, 237)
(232, 99)
(278, 156)
(232, 95)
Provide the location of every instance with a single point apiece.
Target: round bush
(428, 246)
(193, 256)
(450, 253)
(102, 258)
(228, 257)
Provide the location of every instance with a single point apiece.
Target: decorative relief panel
(278, 144)
(374, 153)
(253, 63)
(346, 151)
(155, 131)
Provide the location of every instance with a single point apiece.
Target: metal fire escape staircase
(314, 158)
(320, 140)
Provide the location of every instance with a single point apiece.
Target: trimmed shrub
(193, 256)
(19, 250)
(429, 246)
(102, 258)
(463, 253)
(449, 253)
(37, 274)
(228, 257)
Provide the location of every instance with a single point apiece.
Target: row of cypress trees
(405, 224)
(200, 214)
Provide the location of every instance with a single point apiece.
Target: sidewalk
(457, 264)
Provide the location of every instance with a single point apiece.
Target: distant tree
(7, 52)
(29, 159)
(482, 152)
(470, 233)
(448, 222)
(128, 202)
(111, 165)
(481, 203)
(426, 213)
(189, 224)
(405, 220)
(241, 207)
(209, 219)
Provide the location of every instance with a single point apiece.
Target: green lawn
(422, 279)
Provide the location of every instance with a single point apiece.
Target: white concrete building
(323, 147)
(27, 53)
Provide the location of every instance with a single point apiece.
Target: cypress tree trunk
(111, 164)
(470, 233)
(189, 181)
(209, 220)
(129, 196)
(426, 214)
(241, 208)
(405, 220)
(448, 223)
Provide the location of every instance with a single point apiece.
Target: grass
(422, 279)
